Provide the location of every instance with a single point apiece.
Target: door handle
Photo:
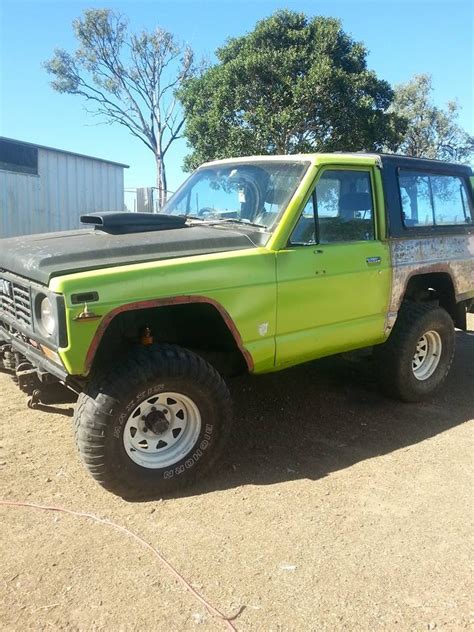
(373, 261)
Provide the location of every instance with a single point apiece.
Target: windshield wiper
(236, 220)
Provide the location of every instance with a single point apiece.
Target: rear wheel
(416, 358)
(154, 425)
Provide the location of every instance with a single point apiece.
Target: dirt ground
(335, 509)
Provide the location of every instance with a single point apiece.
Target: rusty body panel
(451, 254)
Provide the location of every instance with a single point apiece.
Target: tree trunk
(164, 182)
(161, 183)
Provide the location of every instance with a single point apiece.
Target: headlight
(47, 318)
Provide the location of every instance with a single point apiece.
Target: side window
(450, 201)
(328, 192)
(433, 199)
(18, 157)
(305, 230)
(415, 194)
(344, 206)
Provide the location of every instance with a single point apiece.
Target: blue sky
(404, 37)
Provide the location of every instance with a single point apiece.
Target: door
(334, 276)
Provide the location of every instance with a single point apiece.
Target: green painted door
(334, 276)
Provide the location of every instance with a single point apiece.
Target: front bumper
(32, 355)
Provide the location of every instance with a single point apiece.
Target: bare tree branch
(131, 79)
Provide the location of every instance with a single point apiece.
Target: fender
(448, 254)
(174, 300)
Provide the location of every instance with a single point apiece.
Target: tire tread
(396, 354)
(92, 414)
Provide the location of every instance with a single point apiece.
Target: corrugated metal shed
(65, 186)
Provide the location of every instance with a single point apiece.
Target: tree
(293, 84)
(430, 131)
(130, 79)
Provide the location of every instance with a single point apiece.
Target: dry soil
(334, 509)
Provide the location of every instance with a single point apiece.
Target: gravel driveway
(335, 509)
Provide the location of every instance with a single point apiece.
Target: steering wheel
(205, 210)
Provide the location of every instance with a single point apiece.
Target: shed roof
(63, 151)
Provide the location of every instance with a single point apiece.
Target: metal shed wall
(67, 185)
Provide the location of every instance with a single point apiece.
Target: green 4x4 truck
(256, 264)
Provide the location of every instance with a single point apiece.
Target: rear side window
(433, 199)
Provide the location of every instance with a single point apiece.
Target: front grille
(15, 301)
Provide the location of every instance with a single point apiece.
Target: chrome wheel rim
(161, 430)
(427, 355)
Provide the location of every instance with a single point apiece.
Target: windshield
(251, 192)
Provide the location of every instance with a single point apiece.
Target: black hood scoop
(126, 223)
(41, 257)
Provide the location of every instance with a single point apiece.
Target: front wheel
(416, 358)
(155, 424)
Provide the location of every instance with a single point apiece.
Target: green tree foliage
(127, 78)
(293, 84)
(430, 131)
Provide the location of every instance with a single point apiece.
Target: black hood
(41, 257)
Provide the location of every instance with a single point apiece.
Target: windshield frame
(305, 161)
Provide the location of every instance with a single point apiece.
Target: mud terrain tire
(397, 361)
(155, 393)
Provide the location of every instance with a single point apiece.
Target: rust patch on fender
(452, 254)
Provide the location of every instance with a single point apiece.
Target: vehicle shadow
(328, 415)
(324, 416)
